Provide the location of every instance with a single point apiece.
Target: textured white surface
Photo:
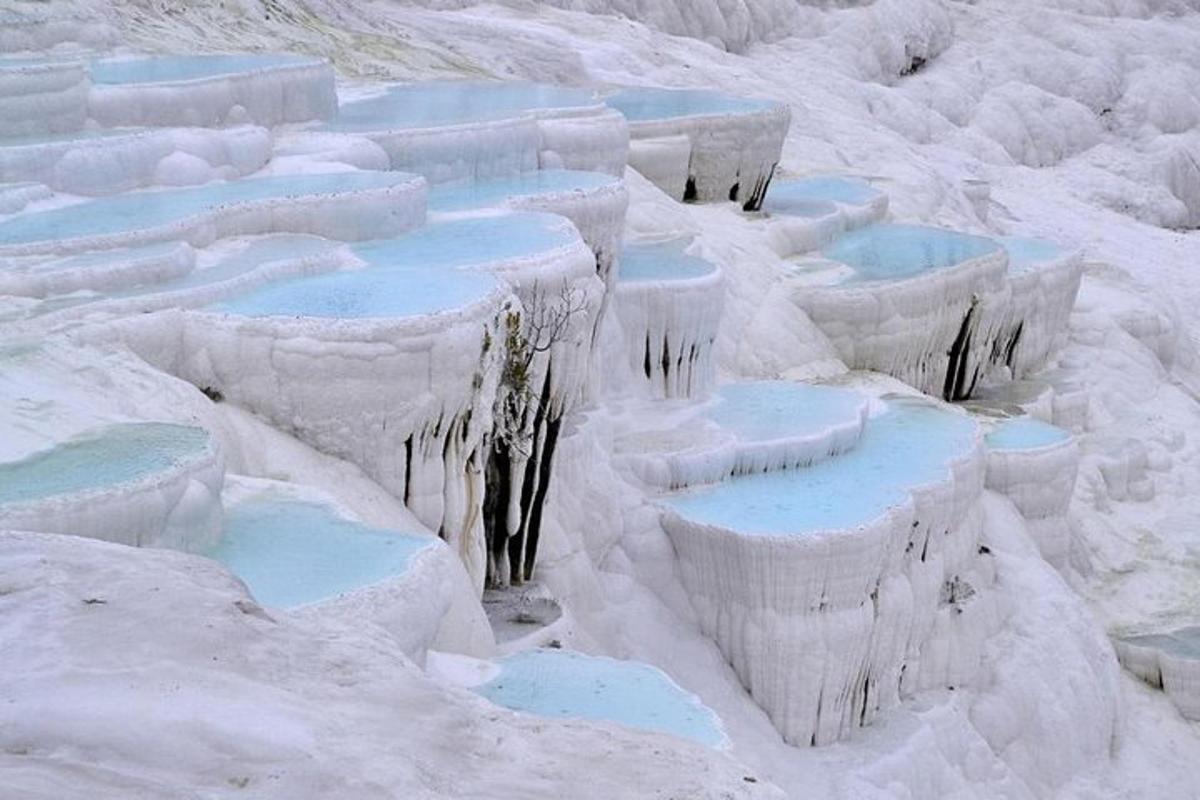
(120, 162)
(279, 707)
(267, 96)
(907, 327)
(1040, 482)
(730, 156)
(1047, 715)
(862, 614)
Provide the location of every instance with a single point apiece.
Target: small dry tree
(544, 323)
(518, 467)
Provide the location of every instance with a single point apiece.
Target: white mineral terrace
(416, 340)
(807, 214)
(305, 556)
(141, 484)
(1034, 464)
(108, 161)
(479, 130)
(701, 145)
(1045, 280)
(387, 317)
(210, 90)
(1169, 661)
(347, 206)
(836, 588)
(594, 201)
(743, 428)
(938, 309)
(564, 684)
(57, 96)
(669, 304)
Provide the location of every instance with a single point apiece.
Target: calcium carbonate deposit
(605, 399)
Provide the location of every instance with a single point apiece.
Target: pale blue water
(293, 554)
(889, 252)
(766, 410)
(104, 257)
(1182, 643)
(466, 195)
(810, 209)
(109, 456)
(665, 261)
(141, 210)
(436, 103)
(908, 445)
(163, 69)
(419, 273)
(851, 191)
(640, 104)
(1024, 433)
(563, 684)
(257, 253)
(1026, 253)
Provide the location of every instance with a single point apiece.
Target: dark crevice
(539, 497)
(1011, 351)
(733, 191)
(959, 355)
(450, 437)
(755, 200)
(666, 358)
(408, 459)
(646, 361)
(689, 190)
(915, 63)
(517, 543)
(497, 488)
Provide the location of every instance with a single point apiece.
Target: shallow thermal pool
(291, 553)
(564, 684)
(150, 209)
(105, 258)
(1181, 643)
(890, 252)
(108, 457)
(466, 195)
(664, 261)
(437, 103)
(1027, 253)
(767, 410)
(910, 444)
(1024, 433)
(797, 195)
(166, 69)
(640, 104)
(422, 272)
(192, 283)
